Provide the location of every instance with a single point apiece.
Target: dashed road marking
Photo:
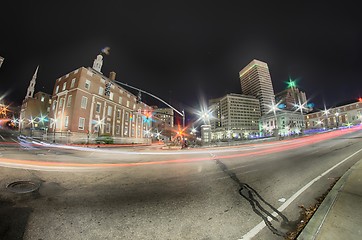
(261, 225)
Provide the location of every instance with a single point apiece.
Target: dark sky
(184, 50)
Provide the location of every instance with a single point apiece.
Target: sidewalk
(340, 214)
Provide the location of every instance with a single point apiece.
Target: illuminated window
(81, 123)
(127, 103)
(87, 84)
(108, 127)
(42, 98)
(66, 121)
(61, 102)
(101, 91)
(83, 103)
(98, 107)
(109, 113)
(64, 86)
(125, 133)
(118, 129)
(72, 83)
(111, 96)
(118, 113)
(69, 102)
(57, 89)
(120, 100)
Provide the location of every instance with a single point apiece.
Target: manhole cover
(22, 186)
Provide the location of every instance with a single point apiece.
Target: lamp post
(31, 126)
(274, 109)
(326, 112)
(337, 119)
(54, 127)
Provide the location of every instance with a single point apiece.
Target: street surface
(147, 193)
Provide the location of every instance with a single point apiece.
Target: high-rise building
(256, 81)
(235, 116)
(87, 104)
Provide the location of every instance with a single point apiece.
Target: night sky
(185, 51)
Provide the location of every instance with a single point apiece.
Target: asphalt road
(148, 193)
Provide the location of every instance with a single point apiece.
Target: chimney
(112, 76)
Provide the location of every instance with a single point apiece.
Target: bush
(105, 139)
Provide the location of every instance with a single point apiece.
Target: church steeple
(31, 87)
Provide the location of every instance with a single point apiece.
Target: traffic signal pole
(182, 113)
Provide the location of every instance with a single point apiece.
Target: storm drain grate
(22, 186)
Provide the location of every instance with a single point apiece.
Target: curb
(314, 225)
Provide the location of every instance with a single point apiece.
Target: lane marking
(2, 138)
(261, 225)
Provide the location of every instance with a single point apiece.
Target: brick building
(342, 115)
(87, 104)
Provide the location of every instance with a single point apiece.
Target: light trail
(32, 164)
(225, 149)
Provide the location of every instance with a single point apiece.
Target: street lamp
(300, 107)
(31, 120)
(326, 112)
(274, 108)
(337, 119)
(54, 122)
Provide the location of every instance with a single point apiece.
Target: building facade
(166, 115)
(235, 116)
(290, 98)
(344, 115)
(87, 104)
(255, 80)
(33, 117)
(163, 123)
(283, 123)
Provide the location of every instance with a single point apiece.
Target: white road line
(2, 137)
(261, 225)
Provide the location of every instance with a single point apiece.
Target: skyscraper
(256, 81)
